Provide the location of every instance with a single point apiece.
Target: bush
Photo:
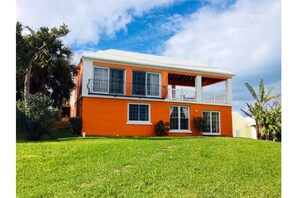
(162, 128)
(37, 117)
(199, 124)
(75, 125)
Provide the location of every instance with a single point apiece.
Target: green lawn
(149, 167)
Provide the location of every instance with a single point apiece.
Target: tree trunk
(27, 82)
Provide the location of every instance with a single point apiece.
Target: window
(138, 85)
(179, 118)
(139, 113)
(152, 86)
(212, 122)
(116, 81)
(108, 80)
(100, 83)
(145, 83)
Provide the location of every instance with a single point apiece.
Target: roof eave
(161, 66)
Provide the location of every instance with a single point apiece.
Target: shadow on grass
(65, 135)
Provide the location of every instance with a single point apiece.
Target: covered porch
(199, 89)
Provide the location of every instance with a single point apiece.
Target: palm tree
(43, 63)
(257, 110)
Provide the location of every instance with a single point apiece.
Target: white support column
(198, 89)
(229, 90)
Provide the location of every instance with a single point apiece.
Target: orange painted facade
(104, 115)
(109, 117)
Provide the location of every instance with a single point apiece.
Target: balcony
(188, 94)
(182, 92)
(126, 89)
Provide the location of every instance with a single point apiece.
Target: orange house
(122, 93)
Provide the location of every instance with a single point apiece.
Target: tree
(44, 63)
(258, 110)
(273, 125)
(35, 117)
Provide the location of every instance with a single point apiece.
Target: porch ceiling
(183, 80)
(210, 81)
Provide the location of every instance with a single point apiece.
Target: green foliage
(162, 128)
(199, 123)
(267, 118)
(49, 61)
(36, 117)
(75, 125)
(273, 125)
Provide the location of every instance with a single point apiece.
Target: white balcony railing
(181, 94)
(185, 94)
(215, 97)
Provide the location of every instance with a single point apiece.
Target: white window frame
(139, 122)
(180, 130)
(146, 72)
(107, 79)
(211, 133)
(159, 84)
(108, 76)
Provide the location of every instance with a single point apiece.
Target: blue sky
(242, 36)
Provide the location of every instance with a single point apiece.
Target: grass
(149, 167)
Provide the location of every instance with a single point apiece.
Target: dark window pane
(184, 123)
(138, 80)
(144, 113)
(133, 112)
(206, 116)
(174, 124)
(173, 112)
(184, 112)
(116, 81)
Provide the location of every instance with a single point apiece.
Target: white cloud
(244, 38)
(88, 20)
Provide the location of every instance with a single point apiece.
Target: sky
(241, 36)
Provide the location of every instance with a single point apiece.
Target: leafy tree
(273, 125)
(259, 110)
(44, 63)
(35, 117)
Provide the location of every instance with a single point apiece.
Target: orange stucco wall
(109, 116)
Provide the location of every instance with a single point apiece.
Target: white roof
(163, 62)
(250, 121)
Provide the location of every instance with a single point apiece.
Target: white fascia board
(163, 66)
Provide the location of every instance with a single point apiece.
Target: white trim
(152, 99)
(179, 130)
(139, 122)
(210, 133)
(214, 134)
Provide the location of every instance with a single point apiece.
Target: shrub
(199, 124)
(75, 125)
(37, 117)
(162, 128)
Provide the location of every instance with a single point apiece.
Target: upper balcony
(121, 88)
(180, 88)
